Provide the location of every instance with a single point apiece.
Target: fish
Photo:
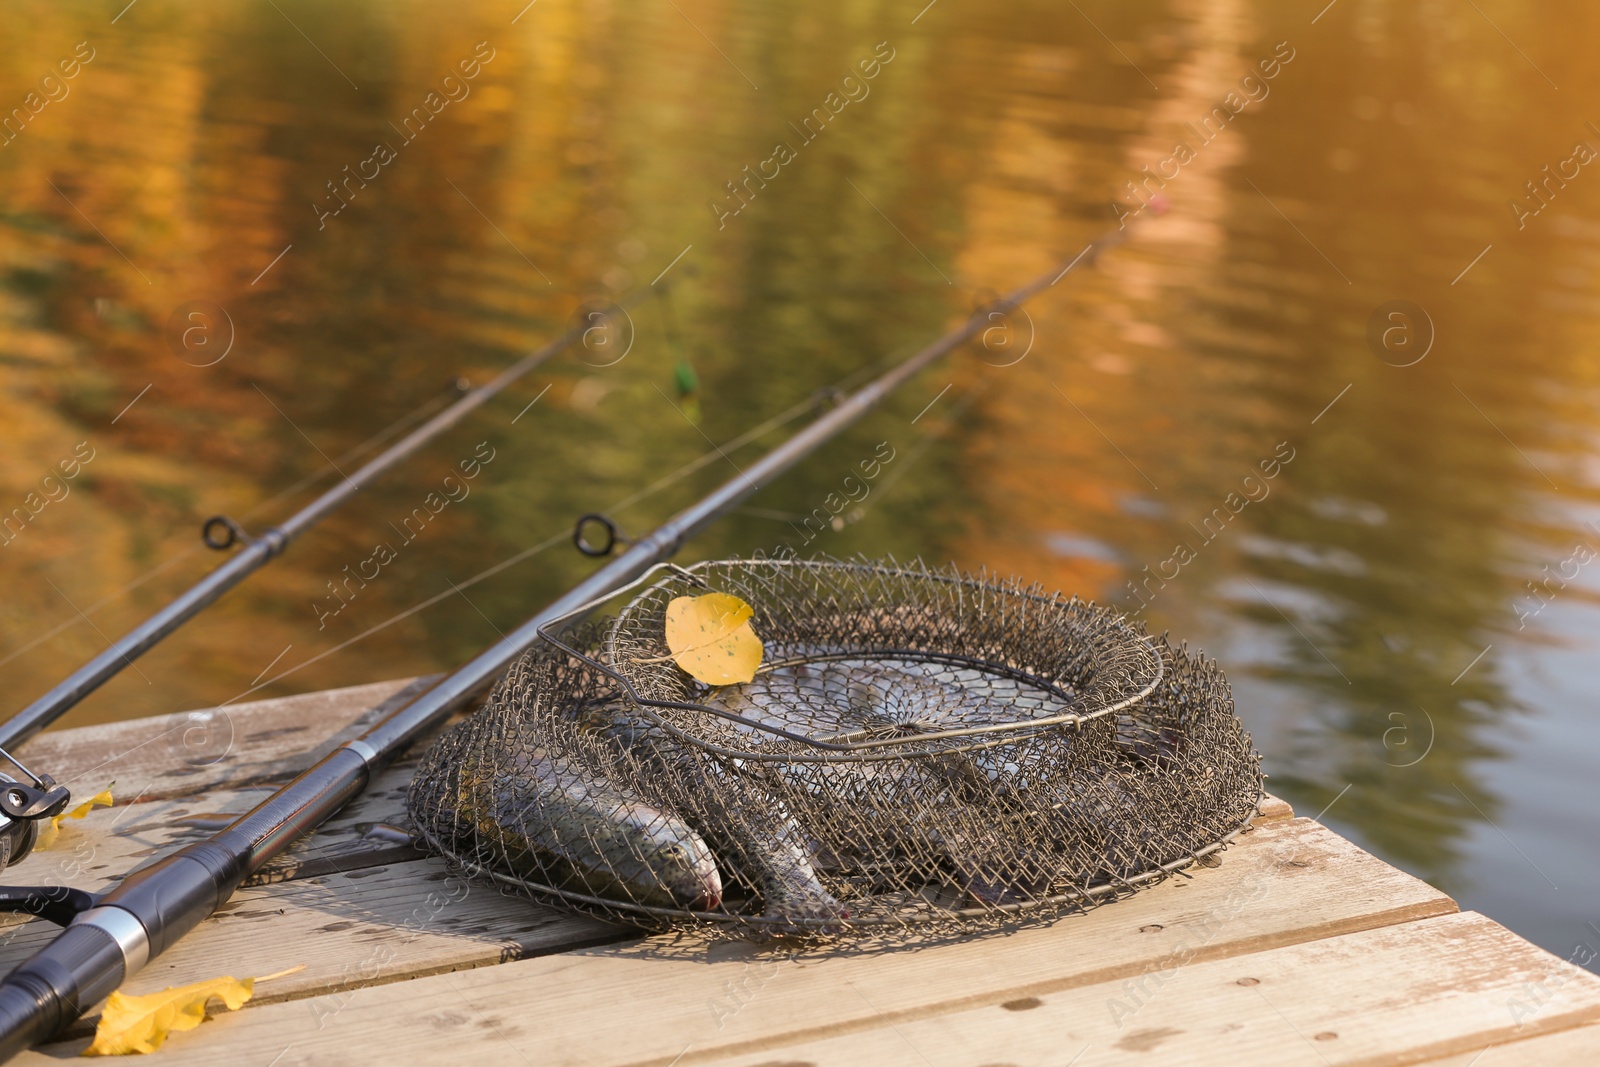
(543, 816)
(750, 828)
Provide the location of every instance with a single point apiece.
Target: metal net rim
(1128, 635)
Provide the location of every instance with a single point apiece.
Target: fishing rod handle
(154, 907)
(171, 896)
(105, 945)
(82, 965)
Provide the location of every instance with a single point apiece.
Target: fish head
(687, 871)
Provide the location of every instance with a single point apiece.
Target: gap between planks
(1578, 1047)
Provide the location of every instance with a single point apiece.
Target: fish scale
(763, 846)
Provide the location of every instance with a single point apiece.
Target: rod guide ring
(590, 548)
(231, 533)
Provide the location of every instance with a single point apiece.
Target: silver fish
(752, 831)
(543, 816)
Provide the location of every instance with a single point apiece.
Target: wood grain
(1274, 808)
(107, 844)
(395, 949)
(97, 851)
(1394, 995)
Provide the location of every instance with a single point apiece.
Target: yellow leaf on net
(140, 1024)
(48, 831)
(710, 637)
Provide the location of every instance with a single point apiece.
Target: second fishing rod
(153, 908)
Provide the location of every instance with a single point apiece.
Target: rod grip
(56, 985)
(152, 908)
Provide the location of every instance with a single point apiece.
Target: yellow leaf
(49, 831)
(141, 1024)
(710, 637)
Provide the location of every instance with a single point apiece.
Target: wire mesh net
(919, 748)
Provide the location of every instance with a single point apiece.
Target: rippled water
(362, 202)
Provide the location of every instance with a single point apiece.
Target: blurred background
(1407, 610)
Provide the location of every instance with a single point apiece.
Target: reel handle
(19, 801)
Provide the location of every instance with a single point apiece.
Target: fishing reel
(22, 806)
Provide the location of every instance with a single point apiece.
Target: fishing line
(257, 552)
(930, 436)
(783, 418)
(754, 433)
(750, 435)
(394, 429)
(924, 446)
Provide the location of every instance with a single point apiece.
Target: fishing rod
(23, 803)
(116, 934)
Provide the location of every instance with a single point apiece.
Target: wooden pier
(1298, 948)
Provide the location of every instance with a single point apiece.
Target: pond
(1328, 414)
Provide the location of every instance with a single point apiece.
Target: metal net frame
(920, 750)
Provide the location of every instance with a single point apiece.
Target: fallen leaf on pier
(131, 1025)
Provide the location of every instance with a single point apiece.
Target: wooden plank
(194, 751)
(108, 844)
(353, 930)
(265, 741)
(1578, 1047)
(97, 851)
(1288, 882)
(1388, 996)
